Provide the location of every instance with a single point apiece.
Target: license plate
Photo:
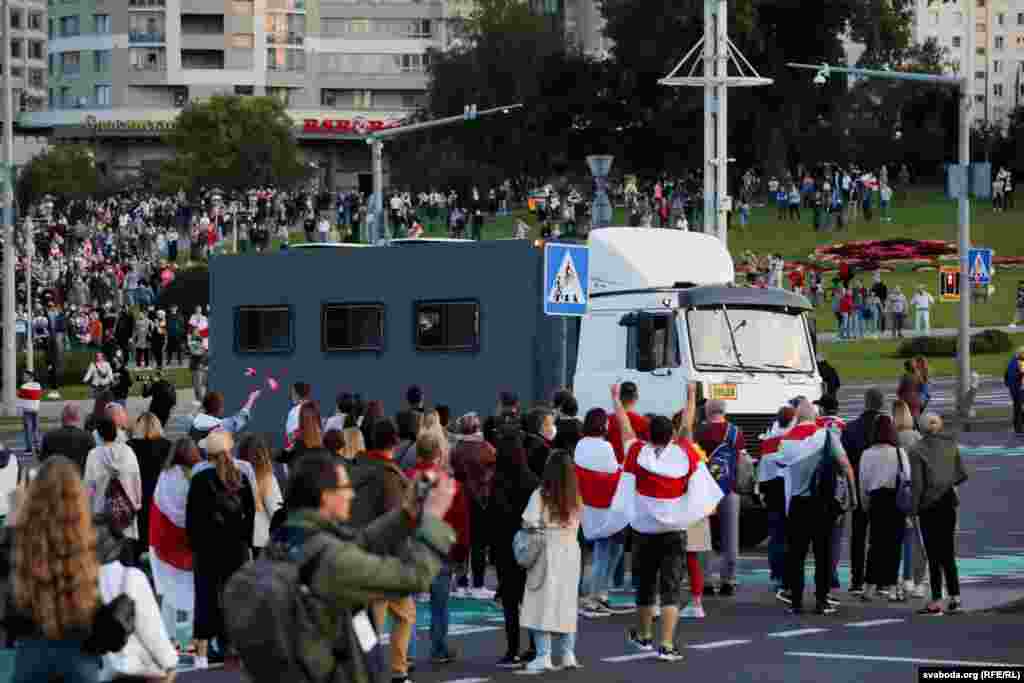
(723, 392)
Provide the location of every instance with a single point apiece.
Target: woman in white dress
(551, 601)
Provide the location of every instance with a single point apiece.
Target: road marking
(630, 658)
(717, 644)
(908, 660)
(985, 469)
(796, 632)
(874, 622)
(469, 680)
(1015, 533)
(966, 531)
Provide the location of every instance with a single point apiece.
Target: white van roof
(641, 258)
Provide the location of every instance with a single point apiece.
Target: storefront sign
(360, 125)
(144, 125)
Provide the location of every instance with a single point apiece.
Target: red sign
(359, 126)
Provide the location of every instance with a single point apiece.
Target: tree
(1013, 144)
(233, 142)
(62, 170)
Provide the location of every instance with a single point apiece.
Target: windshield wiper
(732, 336)
(727, 366)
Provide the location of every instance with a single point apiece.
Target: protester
(114, 464)
(858, 437)
(268, 499)
(473, 464)
(69, 439)
(1014, 380)
(937, 470)
(151, 452)
(881, 466)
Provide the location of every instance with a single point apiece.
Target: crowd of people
(558, 503)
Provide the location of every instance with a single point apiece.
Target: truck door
(653, 360)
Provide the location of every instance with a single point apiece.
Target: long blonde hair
(354, 443)
(148, 427)
(56, 571)
(254, 451)
(431, 424)
(218, 452)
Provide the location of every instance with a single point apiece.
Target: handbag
(118, 506)
(113, 625)
(528, 545)
(904, 488)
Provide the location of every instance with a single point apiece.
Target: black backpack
(829, 483)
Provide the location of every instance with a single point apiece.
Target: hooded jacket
(935, 467)
(380, 487)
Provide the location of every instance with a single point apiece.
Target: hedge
(989, 341)
(75, 365)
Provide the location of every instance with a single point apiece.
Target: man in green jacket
(354, 568)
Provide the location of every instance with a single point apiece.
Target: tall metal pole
(10, 358)
(709, 116)
(964, 207)
(377, 200)
(30, 255)
(722, 117)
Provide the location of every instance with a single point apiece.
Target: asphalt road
(749, 636)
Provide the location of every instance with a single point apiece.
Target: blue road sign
(980, 266)
(566, 279)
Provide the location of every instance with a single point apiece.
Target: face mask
(550, 433)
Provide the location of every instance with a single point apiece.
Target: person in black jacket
(539, 440)
(219, 518)
(514, 483)
(858, 436)
(163, 397)
(829, 376)
(69, 440)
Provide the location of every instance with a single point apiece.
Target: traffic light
(469, 112)
(949, 283)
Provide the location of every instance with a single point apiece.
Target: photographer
(162, 395)
(356, 566)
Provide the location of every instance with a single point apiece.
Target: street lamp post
(963, 81)
(30, 255)
(10, 359)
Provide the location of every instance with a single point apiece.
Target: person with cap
(829, 377)
(69, 440)
(1014, 380)
(858, 436)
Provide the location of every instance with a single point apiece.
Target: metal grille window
(263, 329)
(352, 327)
(448, 325)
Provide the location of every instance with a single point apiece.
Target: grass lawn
(872, 360)
(180, 377)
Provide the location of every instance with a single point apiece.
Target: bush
(75, 365)
(989, 341)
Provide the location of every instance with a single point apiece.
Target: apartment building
(999, 50)
(28, 68)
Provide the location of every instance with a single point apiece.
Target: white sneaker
(570, 662)
(201, 663)
(692, 611)
(539, 665)
(908, 586)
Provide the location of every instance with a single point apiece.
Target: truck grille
(752, 426)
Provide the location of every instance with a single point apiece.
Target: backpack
(117, 506)
(272, 618)
(829, 484)
(723, 461)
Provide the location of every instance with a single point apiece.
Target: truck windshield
(762, 340)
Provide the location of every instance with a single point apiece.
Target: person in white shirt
(921, 304)
(324, 228)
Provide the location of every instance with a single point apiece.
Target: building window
(49, 29)
(102, 95)
(1000, 42)
(352, 327)
(979, 99)
(980, 52)
(362, 99)
(409, 101)
(420, 28)
(102, 23)
(36, 78)
(447, 325)
(52, 99)
(16, 52)
(1020, 18)
(16, 18)
(981, 3)
(956, 41)
(263, 329)
(242, 8)
(146, 27)
(1001, 19)
(17, 72)
(285, 59)
(997, 89)
(412, 63)
(245, 90)
(935, 18)
(35, 21)
(148, 59)
(69, 26)
(980, 75)
(71, 63)
(997, 66)
(36, 49)
(285, 29)
(51, 62)
(242, 41)
(101, 60)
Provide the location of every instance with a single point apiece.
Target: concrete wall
(519, 346)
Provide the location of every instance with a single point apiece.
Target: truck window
(352, 327)
(263, 329)
(447, 325)
(651, 343)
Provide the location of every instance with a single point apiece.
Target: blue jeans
(607, 553)
(777, 545)
(844, 326)
(565, 643)
(47, 660)
(440, 591)
(30, 422)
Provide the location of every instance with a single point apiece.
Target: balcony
(291, 38)
(145, 4)
(79, 102)
(202, 59)
(146, 37)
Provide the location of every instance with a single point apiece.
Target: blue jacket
(1013, 378)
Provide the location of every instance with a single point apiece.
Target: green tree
(62, 170)
(233, 142)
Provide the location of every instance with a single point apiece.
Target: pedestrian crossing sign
(566, 279)
(980, 268)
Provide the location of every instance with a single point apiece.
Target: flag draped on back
(663, 491)
(599, 474)
(799, 454)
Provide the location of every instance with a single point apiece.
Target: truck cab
(664, 312)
